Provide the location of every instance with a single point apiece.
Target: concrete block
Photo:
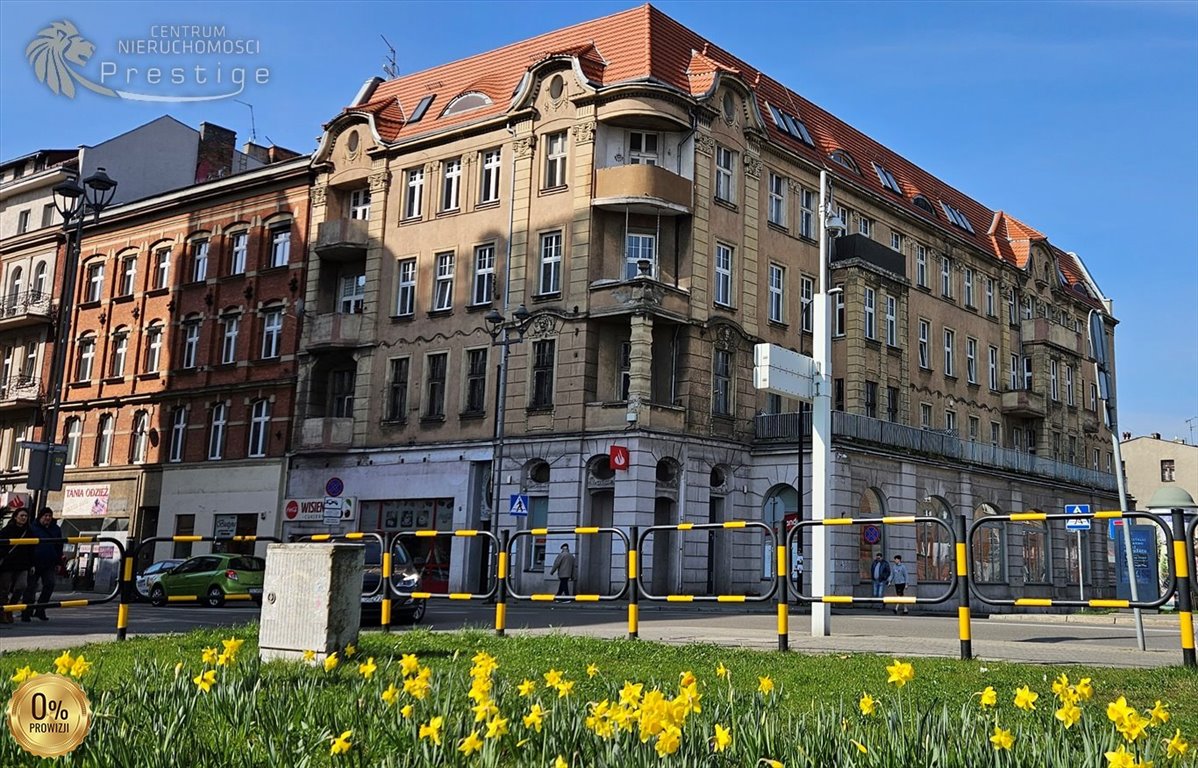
(311, 600)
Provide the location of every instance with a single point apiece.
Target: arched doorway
(871, 540)
(595, 550)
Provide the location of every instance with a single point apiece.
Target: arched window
(934, 553)
(84, 362)
(1036, 564)
(104, 440)
(15, 284)
(466, 102)
(842, 158)
(120, 350)
(989, 548)
(39, 278)
(924, 204)
(153, 346)
(137, 441)
(259, 428)
(73, 430)
(872, 505)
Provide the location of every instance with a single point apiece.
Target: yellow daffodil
(391, 695)
(526, 688)
(1060, 686)
(409, 664)
(341, 744)
(630, 694)
(350, 650)
(406, 711)
(471, 744)
(860, 747)
(534, 718)
(765, 684)
(1068, 714)
(1117, 710)
(24, 673)
(1121, 758)
(722, 738)
(309, 656)
(1176, 746)
(63, 664)
(224, 660)
(205, 680)
(432, 730)
(1025, 698)
(331, 661)
(867, 705)
(564, 688)
(208, 656)
(484, 710)
(178, 669)
(232, 646)
(770, 763)
(592, 670)
(1133, 727)
(496, 727)
(552, 677)
(560, 762)
(900, 673)
(80, 667)
(368, 669)
(1002, 739)
(988, 697)
(688, 679)
(668, 741)
(1159, 713)
(722, 671)
(1084, 689)
(416, 687)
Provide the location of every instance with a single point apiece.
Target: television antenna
(1191, 421)
(390, 68)
(253, 127)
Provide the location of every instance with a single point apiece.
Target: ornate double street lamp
(47, 460)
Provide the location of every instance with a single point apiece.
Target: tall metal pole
(1126, 525)
(821, 425)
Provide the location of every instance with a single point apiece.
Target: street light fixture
(73, 202)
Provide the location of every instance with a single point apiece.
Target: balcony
(326, 433)
(342, 239)
(23, 309)
(644, 189)
(1024, 403)
(1040, 330)
(20, 392)
(333, 331)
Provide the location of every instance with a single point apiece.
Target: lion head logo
(52, 53)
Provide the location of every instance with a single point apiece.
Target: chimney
(1156, 435)
(256, 151)
(214, 159)
(279, 154)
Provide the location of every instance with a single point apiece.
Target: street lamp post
(73, 203)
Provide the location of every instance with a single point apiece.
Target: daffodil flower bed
(470, 699)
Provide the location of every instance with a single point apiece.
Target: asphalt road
(1047, 640)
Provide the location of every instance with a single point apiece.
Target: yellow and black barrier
(382, 588)
(550, 597)
(462, 533)
(33, 541)
(1183, 563)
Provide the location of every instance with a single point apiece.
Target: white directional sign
(782, 372)
(519, 505)
(332, 510)
(1077, 525)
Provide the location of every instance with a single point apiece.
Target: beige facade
(1150, 463)
(655, 236)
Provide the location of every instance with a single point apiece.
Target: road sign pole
(1081, 569)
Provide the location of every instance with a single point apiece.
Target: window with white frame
(543, 353)
(162, 268)
(807, 213)
(950, 420)
(413, 203)
(351, 293)
(94, 287)
(484, 274)
(451, 185)
(777, 287)
(925, 415)
(642, 148)
(178, 435)
(971, 360)
(359, 203)
(443, 286)
(104, 436)
(1014, 369)
(777, 202)
(925, 329)
(865, 226)
(120, 350)
(240, 252)
(551, 264)
(921, 266)
(992, 361)
(259, 428)
(1027, 373)
(191, 342)
(199, 261)
(838, 312)
(806, 297)
(639, 247)
(870, 313)
(341, 393)
(989, 297)
(725, 165)
(129, 275)
(138, 438)
(995, 434)
(216, 431)
(488, 191)
(946, 277)
(153, 347)
(74, 436)
(891, 321)
(1012, 301)
(39, 278)
(721, 383)
(723, 275)
(437, 365)
(230, 324)
(280, 245)
(405, 298)
(950, 340)
(555, 160)
(968, 287)
(1052, 381)
(1069, 399)
(1093, 396)
(272, 332)
(896, 241)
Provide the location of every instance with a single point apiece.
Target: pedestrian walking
(879, 573)
(898, 577)
(46, 557)
(15, 561)
(563, 566)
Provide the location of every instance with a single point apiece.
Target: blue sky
(1080, 118)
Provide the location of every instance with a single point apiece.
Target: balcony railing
(1023, 402)
(326, 433)
(31, 305)
(905, 439)
(342, 238)
(1043, 330)
(643, 189)
(17, 389)
(334, 329)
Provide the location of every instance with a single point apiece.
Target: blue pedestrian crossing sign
(1082, 524)
(519, 505)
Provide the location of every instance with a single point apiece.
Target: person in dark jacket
(45, 562)
(15, 560)
(879, 573)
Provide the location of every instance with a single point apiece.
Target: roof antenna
(253, 127)
(390, 69)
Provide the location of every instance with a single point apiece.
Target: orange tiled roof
(643, 44)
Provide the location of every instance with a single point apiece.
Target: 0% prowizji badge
(49, 715)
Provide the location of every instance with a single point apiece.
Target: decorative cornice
(320, 194)
(584, 133)
(379, 181)
(524, 146)
(704, 144)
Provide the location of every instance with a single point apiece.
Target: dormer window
(791, 126)
(840, 157)
(924, 204)
(465, 103)
(887, 179)
(421, 108)
(956, 217)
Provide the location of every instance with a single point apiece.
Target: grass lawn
(149, 714)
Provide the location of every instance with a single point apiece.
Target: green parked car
(210, 578)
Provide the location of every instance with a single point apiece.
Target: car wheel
(215, 598)
(158, 595)
(416, 614)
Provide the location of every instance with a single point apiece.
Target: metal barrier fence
(383, 586)
(32, 542)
